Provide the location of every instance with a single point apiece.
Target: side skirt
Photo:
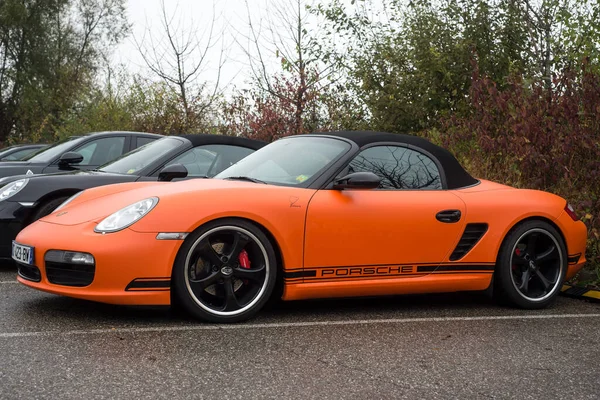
(431, 283)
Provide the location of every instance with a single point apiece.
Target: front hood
(98, 203)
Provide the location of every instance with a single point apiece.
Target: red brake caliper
(518, 253)
(244, 261)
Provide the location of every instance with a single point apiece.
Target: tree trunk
(6, 124)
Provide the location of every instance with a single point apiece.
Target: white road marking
(2, 282)
(203, 327)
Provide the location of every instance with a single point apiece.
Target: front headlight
(12, 188)
(126, 216)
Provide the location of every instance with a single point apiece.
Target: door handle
(448, 216)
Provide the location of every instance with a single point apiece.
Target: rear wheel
(225, 271)
(531, 266)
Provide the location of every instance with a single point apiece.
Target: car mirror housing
(171, 172)
(69, 158)
(357, 180)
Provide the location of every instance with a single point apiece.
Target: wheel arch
(49, 197)
(527, 219)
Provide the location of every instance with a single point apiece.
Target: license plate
(22, 254)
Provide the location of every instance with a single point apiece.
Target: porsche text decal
(361, 271)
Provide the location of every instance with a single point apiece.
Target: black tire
(531, 266)
(211, 281)
(47, 207)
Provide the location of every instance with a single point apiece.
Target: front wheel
(225, 271)
(531, 266)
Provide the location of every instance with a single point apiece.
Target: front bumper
(13, 218)
(130, 267)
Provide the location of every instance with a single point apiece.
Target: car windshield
(141, 157)
(288, 162)
(48, 154)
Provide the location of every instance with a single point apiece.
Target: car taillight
(569, 210)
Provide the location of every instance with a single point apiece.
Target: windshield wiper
(245, 178)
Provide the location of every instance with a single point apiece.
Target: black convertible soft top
(456, 176)
(200, 139)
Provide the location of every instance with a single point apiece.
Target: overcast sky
(231, 16)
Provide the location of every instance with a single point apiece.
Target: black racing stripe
(372, 265)
(364, 277)
(148, 283)
(574, 258)
(461, 268)
(432, 265)
(381, 277)
(462, 272)
(455, 268)
(299, 274)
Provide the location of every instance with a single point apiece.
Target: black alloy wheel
(225, 272)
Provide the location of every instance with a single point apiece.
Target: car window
(142, 141)
(17, 155)
(210, 159)
(87, 151)
(398, 167)
(101, 151)
(48, 154)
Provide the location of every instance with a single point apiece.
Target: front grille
(29, 272)
(470, 237)
(69, 274)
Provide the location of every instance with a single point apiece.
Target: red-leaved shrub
(540, 135)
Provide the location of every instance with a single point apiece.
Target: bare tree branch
(180, 59)
(288, 39)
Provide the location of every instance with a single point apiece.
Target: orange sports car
(313, 216)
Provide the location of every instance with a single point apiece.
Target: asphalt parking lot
(441, 346)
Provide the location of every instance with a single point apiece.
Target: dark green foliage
(410, 62)
(50, 51)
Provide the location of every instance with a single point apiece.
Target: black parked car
(81, 152)
(26, 198)
(19, 151)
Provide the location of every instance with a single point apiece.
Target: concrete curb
(581, 292)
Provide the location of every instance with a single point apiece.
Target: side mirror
(69, 158)
(357, 180)
(171, 172)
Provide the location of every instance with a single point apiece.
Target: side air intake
(470, 237)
